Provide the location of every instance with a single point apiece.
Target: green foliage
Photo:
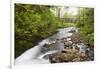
(91, 38)
(64, 25)
(32, 23)
(86, 24)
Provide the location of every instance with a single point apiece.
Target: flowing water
(38, 54)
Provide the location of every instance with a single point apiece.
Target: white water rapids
(34, 55)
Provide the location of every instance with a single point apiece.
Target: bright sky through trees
(73, 10)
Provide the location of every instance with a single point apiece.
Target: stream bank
(76, 49)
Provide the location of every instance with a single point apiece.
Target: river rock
(72, 31)
(68, 43)
(76, 59)
(68, 39)
(74, 49)
(77, 38)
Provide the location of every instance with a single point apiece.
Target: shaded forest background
(34, 23)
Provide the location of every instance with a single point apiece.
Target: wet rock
(77, 38)
(82, 54)
(68, 39)
(82, 47)
(55, 58)
(72, 31)
(64, 51)
(76, 59)
(68, 43)
(49, 47)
